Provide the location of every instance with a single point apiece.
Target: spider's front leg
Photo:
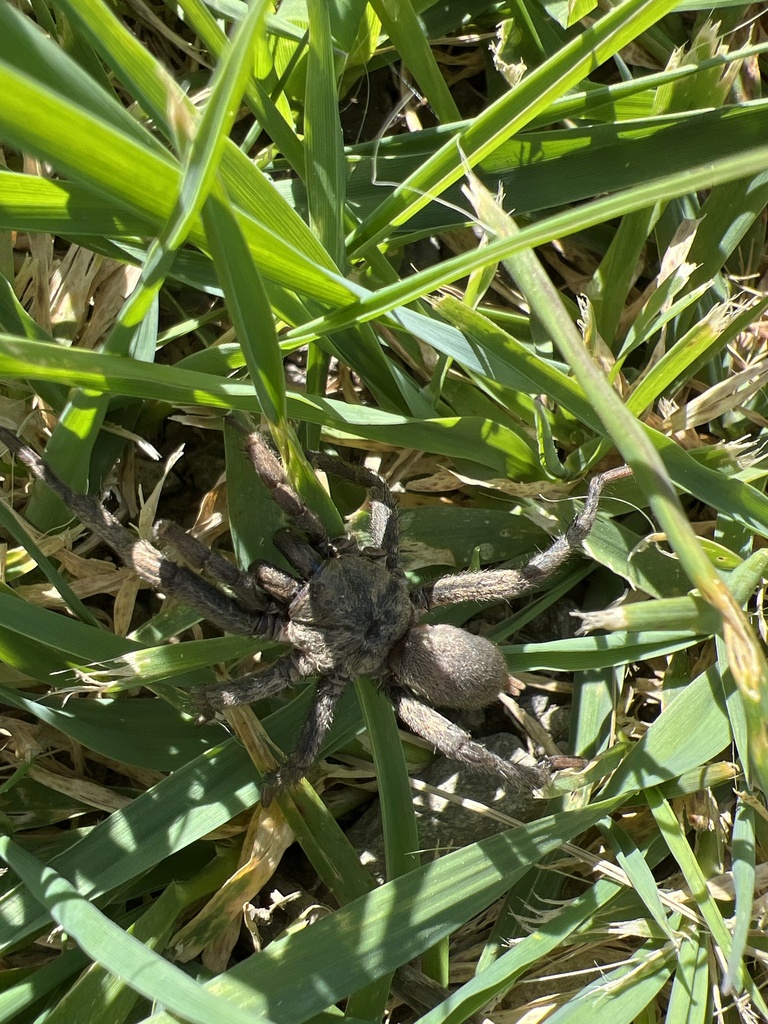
(143, 557)
(270, 470)
(503, 584)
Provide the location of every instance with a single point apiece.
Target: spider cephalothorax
(347, 611)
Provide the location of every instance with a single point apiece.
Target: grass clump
(374, 227)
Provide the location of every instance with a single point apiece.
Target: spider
(347, 611)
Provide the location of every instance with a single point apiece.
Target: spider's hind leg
(311, 736)
(457, 744)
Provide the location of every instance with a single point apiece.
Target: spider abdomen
(350, 615)
(450, 667)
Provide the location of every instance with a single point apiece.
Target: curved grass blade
(388, 927)
(138, 178)
(510, 113)
(107, 943)
(194, 801)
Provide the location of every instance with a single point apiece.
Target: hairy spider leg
(267, 682)
(313, 732)
(502, 584)
(383, 507)
(271, 472)
(279, 584)
(144, 558)
(204, 559)
(457, 744)
(301, 555)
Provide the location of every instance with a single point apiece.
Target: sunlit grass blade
(120, 952)
(163, 820)
(212, 133)
(670, 746)
(502, 974)
(28, 989)
(400, 22)
(399, 920)
(502, 449)
(142, 732)
(249, 308)
(632, 986)
(680, 849)
(12, 526)
(751, 160)
(26, 49)
(137, 177)
(200, 144)
(516, 108)
(749, 664)
(105, 998)
(149, 83)
(326, 178)
(688, 1000)
(744, 886)
(273, 116)
(640, 876)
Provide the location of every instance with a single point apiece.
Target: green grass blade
(104, 941)
(32, 987)
(104, 998)
(515, 109)
(670, 747)
(200, 143)
(249, 308)
(24, 48)
(12, 526)
(502, 449)
(750, 160)
(324, 151)
(390, 926)
(620, 996)
(399, 20)
(744, 886)
(689, 998)
(640, 876)
(680, 849)
(194, 801)
(138, 178)
(501, 975)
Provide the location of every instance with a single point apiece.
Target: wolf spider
(346, 610)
